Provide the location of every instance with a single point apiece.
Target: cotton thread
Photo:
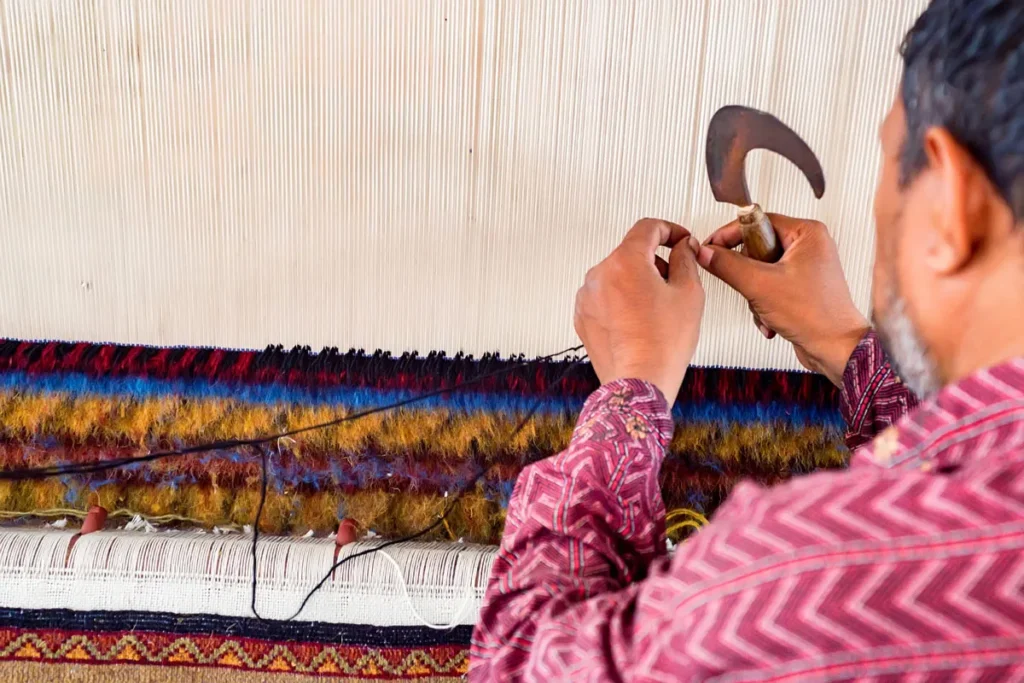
(456, 620)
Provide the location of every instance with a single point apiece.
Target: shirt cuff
(860, 374)
(626, 407)
(873, 397)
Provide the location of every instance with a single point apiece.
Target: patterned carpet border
(62, 637)
(299, 632)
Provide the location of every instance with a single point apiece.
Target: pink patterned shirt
(908, 565)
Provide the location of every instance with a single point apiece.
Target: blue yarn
(353, 398)
(362, 399)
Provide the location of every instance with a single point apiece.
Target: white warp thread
(404, 175)
(440, 585)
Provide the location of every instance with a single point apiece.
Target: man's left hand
(638, 315)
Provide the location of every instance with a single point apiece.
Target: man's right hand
(804, 297)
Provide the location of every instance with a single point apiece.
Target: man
(909, 563)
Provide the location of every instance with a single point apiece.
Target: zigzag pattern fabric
(881, 399)
(909, 565)
(390, 472)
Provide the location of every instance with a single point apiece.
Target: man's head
(949, 210)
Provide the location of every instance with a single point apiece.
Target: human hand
(638, 315)
(803, 297)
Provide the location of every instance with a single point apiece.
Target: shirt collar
(982, 414)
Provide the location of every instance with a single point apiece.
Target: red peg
(346, 532)
(94, 519)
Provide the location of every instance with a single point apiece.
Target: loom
(197, 194)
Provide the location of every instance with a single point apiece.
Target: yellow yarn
(441, 432)
(448, 528)
(685, 524)
(686, 512)
(688, 519)
(28, 413)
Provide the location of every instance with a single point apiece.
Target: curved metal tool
(733, 132)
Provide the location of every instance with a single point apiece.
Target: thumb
(733, 268)
(682, 261)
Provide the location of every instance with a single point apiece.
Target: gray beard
(907, 354)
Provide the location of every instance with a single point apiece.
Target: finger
(662, 266)
(577, 316)
(790, 229)
(650, 233)
(682, 261)
(728, 236)
(740, 272)
(766, 331)
(757, 322)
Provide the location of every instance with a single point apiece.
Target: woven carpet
(390, 472)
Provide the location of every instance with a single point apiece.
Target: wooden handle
(759, 239)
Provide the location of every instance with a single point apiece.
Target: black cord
(104, 465)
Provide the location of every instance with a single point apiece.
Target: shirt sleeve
(582, 528)
(873, 397)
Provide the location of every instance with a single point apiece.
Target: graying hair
(964, 71)
(907, 353)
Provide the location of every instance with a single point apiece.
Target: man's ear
(962, 201)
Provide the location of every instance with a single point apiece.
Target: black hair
(963, 66)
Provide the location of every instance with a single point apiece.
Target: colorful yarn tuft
(62, 403)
